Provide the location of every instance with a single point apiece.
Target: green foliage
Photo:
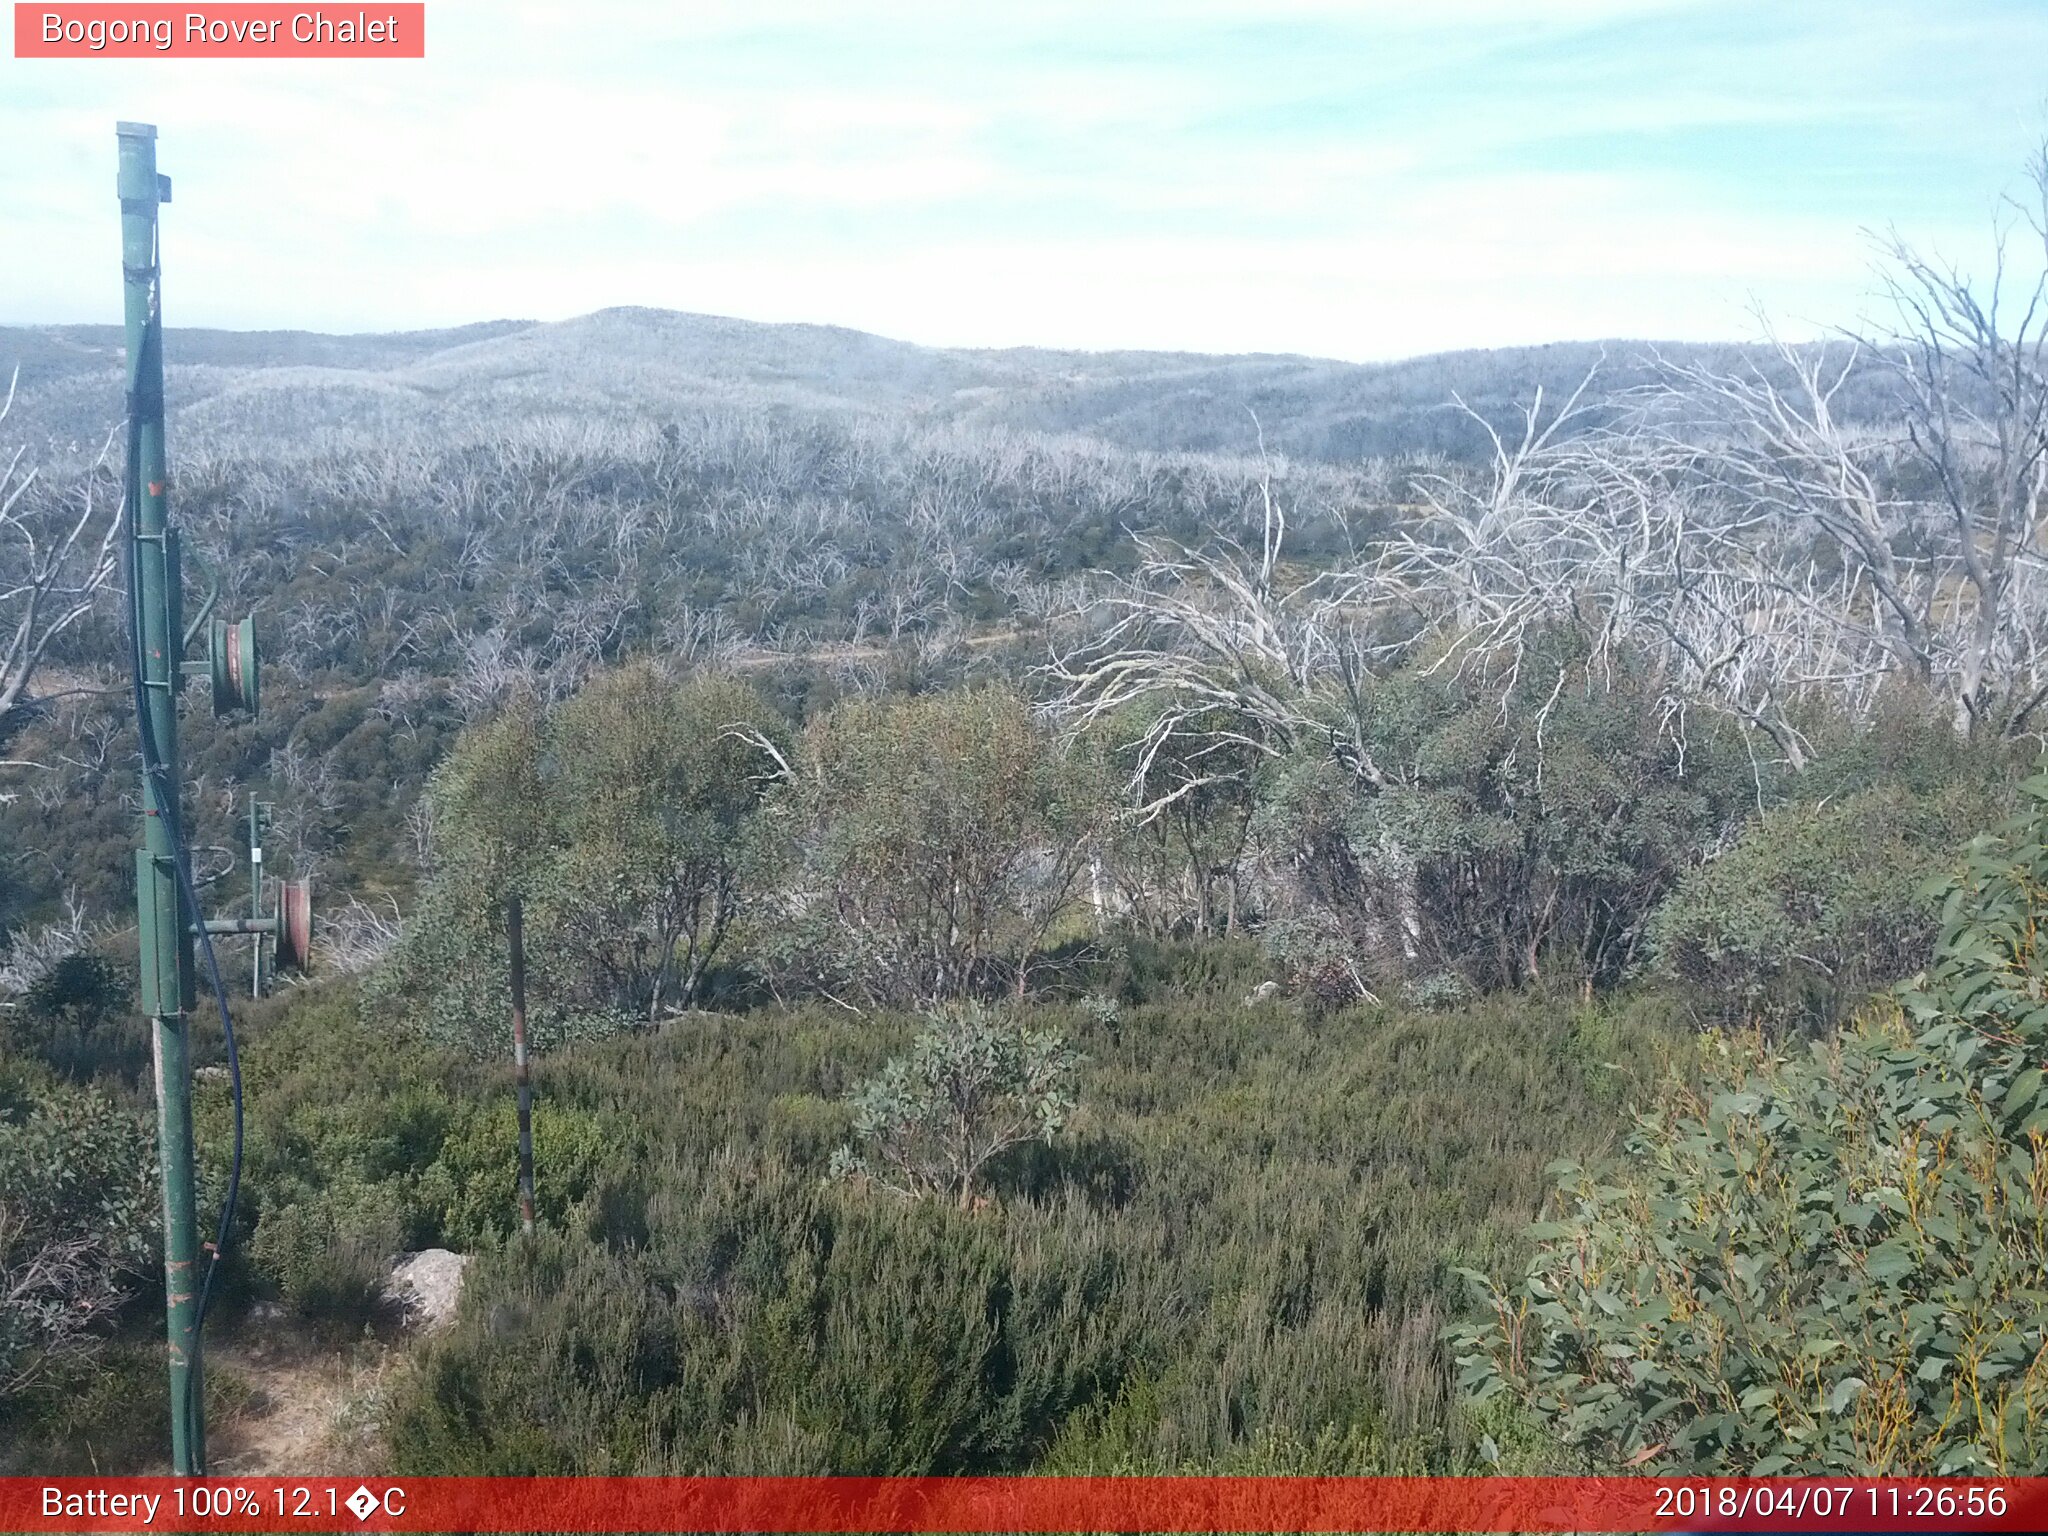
(933, 843)
(82, 988)
(654, 787)
(101, 1411)
(77, 1227)
(330, 1252)
(769, 1326)
(449, 978)
(1242, 1243)
(335, 1104)
(1830, 1261)
(1500, 842)
(495, 833)
(1318, 954)
(1135, 969)
(976, 1083)
(620, 820)
(1179, 863)
(1814, 906)
(77, 1018)
(471, 1189)
(362, 1143)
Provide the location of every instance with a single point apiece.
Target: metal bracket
(205, 608)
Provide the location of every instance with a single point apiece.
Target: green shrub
(77, 1018)
(655, 788)
(931, 846)
(77, 1226)
(1245, 1237)
(1813, 908)
(1132, 968)
(976, 1083)
(471, 1191)
(1319, 958)
(1828, 1261)
(332, 1104)
(1509, 830)
(1178, 867)
(620, 819)
(776, 1326)
(93, 1414)
(329, 1253)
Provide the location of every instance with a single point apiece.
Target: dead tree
(1972, 364)
(1228, 654)
(57, 550)
(1616, 531)
(1767, 547)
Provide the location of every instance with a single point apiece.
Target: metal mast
(163, 926)
(168, 918)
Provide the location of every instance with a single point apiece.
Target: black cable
(158, 772)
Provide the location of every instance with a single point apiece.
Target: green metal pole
(165, 941)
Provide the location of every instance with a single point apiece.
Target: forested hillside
(285, 391)
(1067, 904)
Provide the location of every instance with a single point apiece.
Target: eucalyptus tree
(1825, 1259)
(932, 845)
(616, 824)
(77, 1178)
(494, 832)
(655, 785)
(975, 1083)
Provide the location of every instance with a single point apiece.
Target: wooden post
(515, 936)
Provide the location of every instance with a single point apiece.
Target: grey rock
(427, 1285)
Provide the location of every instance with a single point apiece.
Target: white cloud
(1379, 179)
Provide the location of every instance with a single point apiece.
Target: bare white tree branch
(57, 550)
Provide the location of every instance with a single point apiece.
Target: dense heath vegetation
(1088, 952)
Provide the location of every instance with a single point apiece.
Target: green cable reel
(232, 660)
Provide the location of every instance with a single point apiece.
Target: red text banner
(234, 31)
(1022, 1504)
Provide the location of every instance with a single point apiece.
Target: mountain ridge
(245, 390)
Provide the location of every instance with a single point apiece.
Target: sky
(1363, 180)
